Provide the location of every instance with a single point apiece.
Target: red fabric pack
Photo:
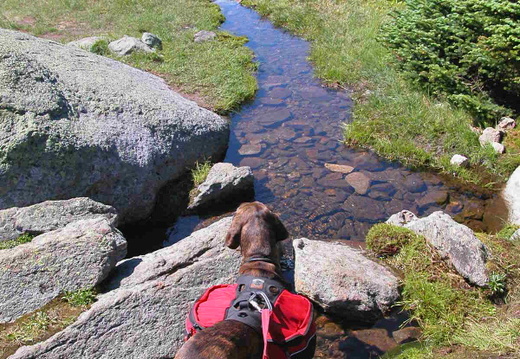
(291, 326)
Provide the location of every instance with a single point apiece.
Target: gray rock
(506, 123)
(86, 43)
(453, 241)
(77, 256)
(76, 124)
(144, 317)
(151, 40)
(498, 147)
(459, 160)
(511, 195)
(402, 218)
(224, 183)
(490, 135)
(50, 215)
(515, 236)
(204, 35)
(127, 45)
(343, 281)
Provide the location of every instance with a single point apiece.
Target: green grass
(25, 238)
(449, 311)
(219, 74)
(200, 172)
(390, 116)
(78, 298)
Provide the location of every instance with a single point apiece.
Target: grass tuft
(200, 172)
(82, 297)
(24, 238)
(387, 240)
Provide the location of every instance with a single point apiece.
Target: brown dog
(257, 230)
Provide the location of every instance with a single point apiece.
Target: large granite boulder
(452, 240)
(78, 256)
(75, 124)
(512, 196)
(225, 183)
(143, 316)
(50, 215)
(343, 281)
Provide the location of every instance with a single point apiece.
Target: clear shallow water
(291, 133)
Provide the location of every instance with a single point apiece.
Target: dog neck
(260, 266)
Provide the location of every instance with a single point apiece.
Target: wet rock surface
(452, 240)
(343, 281)
(143, 315)
(50, 215)
(78, 124)
(78, 256)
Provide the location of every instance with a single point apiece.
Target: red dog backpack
(287, 326)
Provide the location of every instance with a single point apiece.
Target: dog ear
(233, 234)
(279, 229)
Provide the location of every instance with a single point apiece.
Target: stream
(291, 136)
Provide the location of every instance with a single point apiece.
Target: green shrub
(100, 47)
(468, 50)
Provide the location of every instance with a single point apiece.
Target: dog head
(255, 229)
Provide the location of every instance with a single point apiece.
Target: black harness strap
(252, 295)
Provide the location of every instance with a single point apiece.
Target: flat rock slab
(204, 35)
(511, 195)
(452, 240)
(77, 124)
(50, 215)
(77, 256)
(339, 168)
(359, 181)
(343, 281)
(143, 317)
(224, 183)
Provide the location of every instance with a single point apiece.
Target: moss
(387, 240)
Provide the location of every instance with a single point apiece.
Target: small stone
(151, 40)
(414, 184)
(432, 198)
(359, 181)
(401, 218)
(246, 150)
(376, 337)
(515, 236)
(339, 168)
(204, 35)
(454, 207)
(460, 161)
(86, 43)
(280, 93)
(407, 335)
(498, 147)
(127, 45)
(506, 123)
(490, 135)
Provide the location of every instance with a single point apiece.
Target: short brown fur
(256, 230)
